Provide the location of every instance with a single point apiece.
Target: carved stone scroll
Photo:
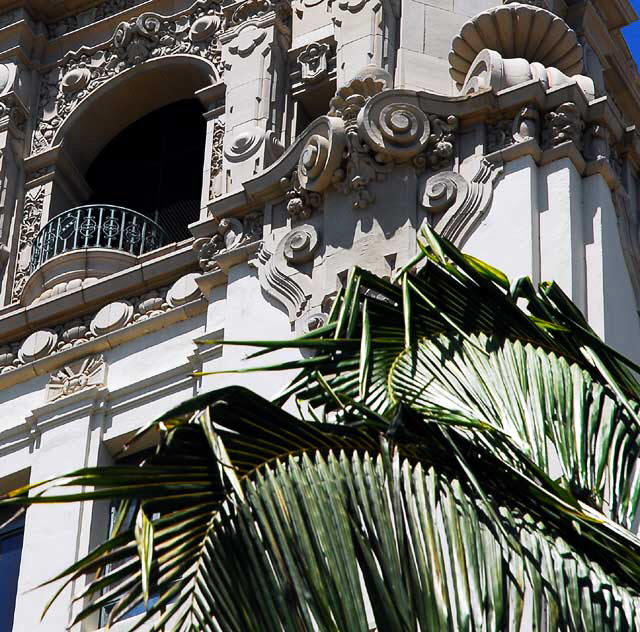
(458, 205)
(278, 273)
(322, 154)
(397, 129)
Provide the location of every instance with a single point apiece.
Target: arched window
(154, 167)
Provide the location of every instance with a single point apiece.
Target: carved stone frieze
(525, 126)
(29, 227)
(367, 131)
(440, 149)
(231, 233)
(456, 205)
(76, 377)
(278, 270)
(597, 144)
(562, 125)
(110, 318)
(135, 41)
(238, 13)
(78, 20)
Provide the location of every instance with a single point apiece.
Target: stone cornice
(44, 366)
(469, 110)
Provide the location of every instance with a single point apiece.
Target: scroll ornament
(456, 205)
(278, 271)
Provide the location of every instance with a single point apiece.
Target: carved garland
(146, 37)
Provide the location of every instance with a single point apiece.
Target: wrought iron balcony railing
(100, 226)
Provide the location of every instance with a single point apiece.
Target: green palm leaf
(467, 464)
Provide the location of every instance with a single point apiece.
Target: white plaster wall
(612, 309)
(508, 236)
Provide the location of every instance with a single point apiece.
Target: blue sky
(632, 33)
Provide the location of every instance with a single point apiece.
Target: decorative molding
(562, 125)
(217, 144)
(455, 205)
(76, 377)
(278, 273)
(231, 234)
(113, 317)
(313, 62)
(89, 16)
(504, 133)
(145, 37)
(516, 31)
(490, 71)
(29, 227)
(247, 39)
(597, 144)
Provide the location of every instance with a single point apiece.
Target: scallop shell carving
(517, 30)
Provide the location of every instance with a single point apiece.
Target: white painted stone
(38, 345)
(185, 289)
(112, 317)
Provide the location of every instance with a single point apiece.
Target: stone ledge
(151, 272)
(105, 342)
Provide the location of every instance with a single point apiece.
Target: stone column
(366, 34)
(254, 58)
(561, 229)
(55, 536)
(508, 237)
(612, 308)
(14, 85)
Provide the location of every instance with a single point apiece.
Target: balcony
(86, 243)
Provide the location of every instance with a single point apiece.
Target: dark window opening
(11, 536)
(154, 167)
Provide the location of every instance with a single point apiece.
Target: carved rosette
(393, 128)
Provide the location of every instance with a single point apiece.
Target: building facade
(173, 171)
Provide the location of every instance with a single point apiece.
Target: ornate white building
(173, 171)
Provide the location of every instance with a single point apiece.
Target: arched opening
(154, 167)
